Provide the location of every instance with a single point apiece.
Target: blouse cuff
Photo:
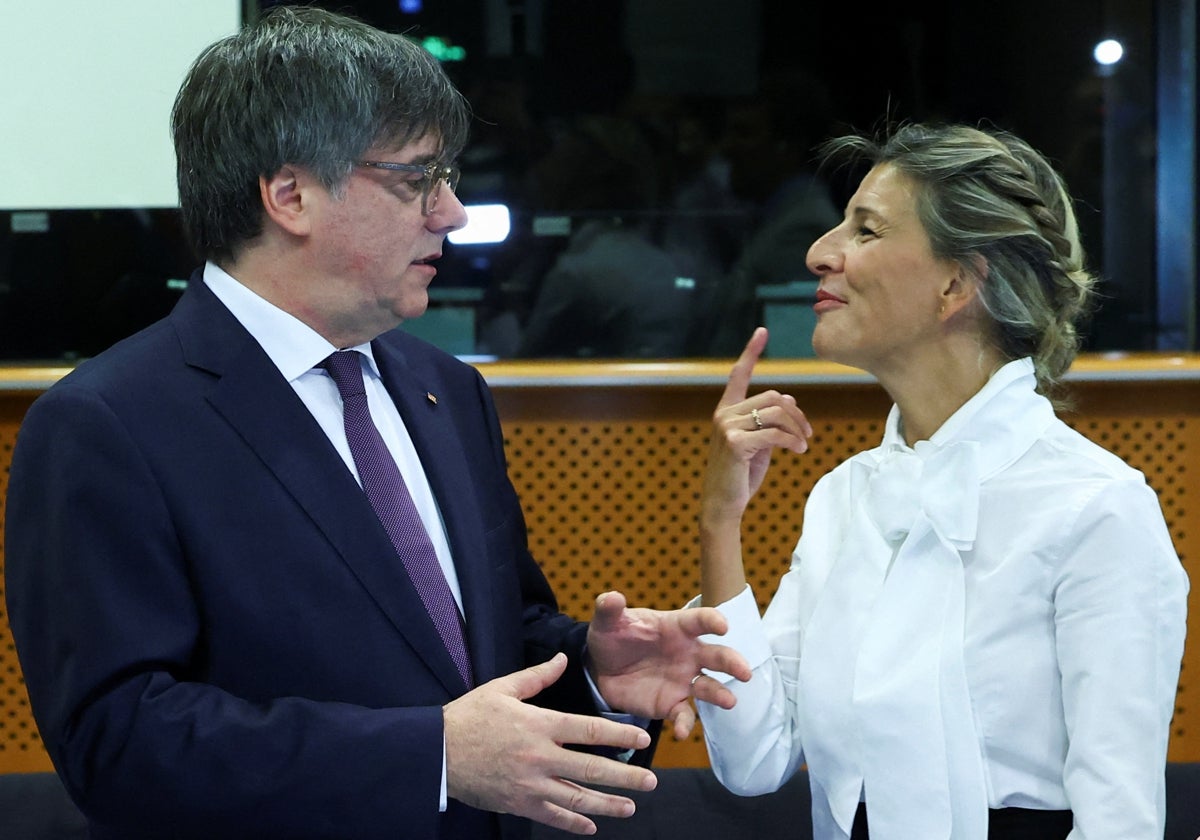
(745, 635)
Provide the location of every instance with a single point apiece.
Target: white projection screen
(85, 97)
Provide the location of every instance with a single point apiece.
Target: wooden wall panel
(21, 749)
(610, 487)
(609, 476)
(1155, 427)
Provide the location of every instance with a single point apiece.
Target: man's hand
(646, 662)
(505, 755)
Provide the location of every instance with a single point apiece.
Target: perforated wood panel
(617, 510)
(1156, 429)
(610, 500)
(610, 482)
(21, 747)
(610, 477)
(611, 503)
(613, 506)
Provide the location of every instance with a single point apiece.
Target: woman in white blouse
(981, 630)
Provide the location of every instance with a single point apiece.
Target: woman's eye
(865, 232)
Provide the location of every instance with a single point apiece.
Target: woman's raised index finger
(743, 368)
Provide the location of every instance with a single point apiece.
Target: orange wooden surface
(607, 460)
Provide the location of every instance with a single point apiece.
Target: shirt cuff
(443, 797)
(745, 634)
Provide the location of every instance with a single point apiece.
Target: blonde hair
(995, 205)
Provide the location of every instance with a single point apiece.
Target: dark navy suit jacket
(217, 636)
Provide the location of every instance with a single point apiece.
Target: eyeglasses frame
(435, 173)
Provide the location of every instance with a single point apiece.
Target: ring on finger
(757, 419)
(698, 676)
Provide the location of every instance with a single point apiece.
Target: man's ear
(287, 199)
(963, 286)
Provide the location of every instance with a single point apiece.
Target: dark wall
(1025, 65)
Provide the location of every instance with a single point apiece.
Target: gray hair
(303, 87)
(989, 194)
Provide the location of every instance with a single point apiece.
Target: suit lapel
(423, 401)
(264, 409)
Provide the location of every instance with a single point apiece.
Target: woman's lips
(827, 301)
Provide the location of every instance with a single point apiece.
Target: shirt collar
(1015, 416)
(293, 346)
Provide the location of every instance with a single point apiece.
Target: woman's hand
(745, 432)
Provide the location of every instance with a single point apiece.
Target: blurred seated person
(612, 292)
(769, 142)
(705, 224)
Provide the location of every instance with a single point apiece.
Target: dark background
(1023, 65)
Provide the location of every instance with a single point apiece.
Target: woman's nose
(825, 256)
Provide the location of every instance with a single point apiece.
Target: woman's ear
(286, 199)
(963, 286)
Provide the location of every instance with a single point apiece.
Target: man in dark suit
(222, 634)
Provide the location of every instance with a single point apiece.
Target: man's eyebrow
(418, 160)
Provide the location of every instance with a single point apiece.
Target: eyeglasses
(430, 182)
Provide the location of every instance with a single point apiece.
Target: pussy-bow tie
(939, 482)
(919, 748)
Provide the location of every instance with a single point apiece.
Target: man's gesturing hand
(505, 755)
(644, 660)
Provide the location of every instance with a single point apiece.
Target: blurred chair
(690, 802)
(1183, 800)
(35, 806)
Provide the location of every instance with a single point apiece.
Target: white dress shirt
(297, 349)
(993, 618)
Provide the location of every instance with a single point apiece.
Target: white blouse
(994, 618)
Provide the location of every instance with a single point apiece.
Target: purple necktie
(389, 496)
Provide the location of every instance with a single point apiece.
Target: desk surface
(534, 373)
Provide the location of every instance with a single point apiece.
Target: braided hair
(992, 203)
